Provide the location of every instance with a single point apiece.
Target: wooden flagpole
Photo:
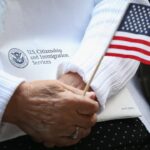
(92, 76)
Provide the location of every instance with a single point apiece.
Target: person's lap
(114, 135)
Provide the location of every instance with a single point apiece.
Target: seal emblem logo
(18, 58)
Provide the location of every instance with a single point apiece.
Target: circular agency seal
(18, 58)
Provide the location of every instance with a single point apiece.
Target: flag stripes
(130, 47)
(138, 58)
(132, 39)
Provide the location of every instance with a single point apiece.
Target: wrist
(11, 111)
(73, 79)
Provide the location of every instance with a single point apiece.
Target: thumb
(73, 89)
(91, 95)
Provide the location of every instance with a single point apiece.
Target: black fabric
(144, 77)
(127, 134)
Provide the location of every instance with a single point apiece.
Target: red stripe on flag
(120, 38)
(129, 48)
(129, 56)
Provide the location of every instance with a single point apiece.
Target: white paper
(119, 107)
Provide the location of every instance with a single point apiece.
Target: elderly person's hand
(51, 111)
(75, 80)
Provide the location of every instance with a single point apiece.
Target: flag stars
(128, 17)
(137, 19)
(126, 25)
(135, 27)
(142, 20)
(132, 29)
(123, 28)
(144, 11)
(138, 22)
(147, 20)
(132, 15)
(137, 16)
(139, 10)
(130, 23)
(137, 31)
(141, 31)
(139, 25)
(146, 32)
(141, 16)
(133, 21)
(145, 15)
(134, 9)
(143, 23)
(135, 13)
(125, 22)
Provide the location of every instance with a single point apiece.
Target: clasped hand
(50, 111)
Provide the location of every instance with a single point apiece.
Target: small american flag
(132, 39)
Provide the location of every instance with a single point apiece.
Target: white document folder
(120, 106)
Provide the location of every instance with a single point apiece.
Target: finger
(85, 121)
(91, 95)
(85, 105)
(81, 104)
(82, 132)
(72, 89)
(81, 92)
(69, 131)
(67, 141)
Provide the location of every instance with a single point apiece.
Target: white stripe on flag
(130, 44)
(134, 36)
(131, 53)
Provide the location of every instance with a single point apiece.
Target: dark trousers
(127, 134)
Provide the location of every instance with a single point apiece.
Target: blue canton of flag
(132, 39)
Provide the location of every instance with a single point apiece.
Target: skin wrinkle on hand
(47, 111)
